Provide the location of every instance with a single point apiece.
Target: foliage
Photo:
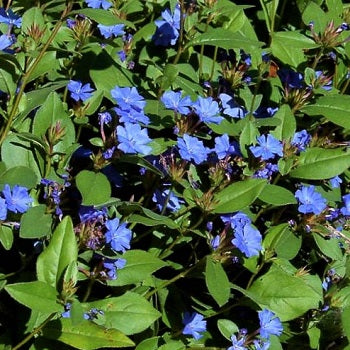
(174, 174)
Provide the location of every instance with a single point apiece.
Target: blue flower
(17, 200)
(208, 110)
(215, 242)
(268, 147)
(346, 210)
(133, 139)
(269, 324)
(190, 148)
(173, 203)
(231, 108)
(266, 172)
(127, 98)
(167, 31)
(301, 139)
(109, 31)
(5, 41)
(79, 91)
(291, 79)
(3, 209)
(224, 148)
(335, 182)
(265, 112)
(172, 100)
(89, 213)
(96, 4)
(10, 18)
(237, 221)
(237, 344)
(310, 200)
(131, 116)
(104, 118)
(118, 235)
(194, 325)
(248, 241)
(112, 265)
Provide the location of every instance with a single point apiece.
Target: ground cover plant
(174, 174)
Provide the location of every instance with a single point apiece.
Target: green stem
(317, 59)
(213, 63)
(88, 290)
(35, 331)
(182, 24)
(174, 279)
(27, 75)
(345, 87)
(254, 275)
(266, 15)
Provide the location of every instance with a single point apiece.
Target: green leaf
(129, 313)
(287, 128)
(94, 187)
(283, 241)
(334, 107)
(32, 17)
(227, 40)
(345, 319)
(318, 163)
(217, 281)
(86, 335)
(49, 114)
(6, 237)
(36, 295)
(7, 77)
(248, 136)
(35, 223)
(329, 247)
(289, 46)
(277, 195)
(55, 259)
(314, 13)
(170, 73)
(314, 334)
(227, 328)
(238, 195)
(148, 344)
(286, 295)
(47, 64)
(139, 266)
(106, 74)
(19, 175)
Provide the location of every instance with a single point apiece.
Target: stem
(213, 64)
(88, 290)
(174, 279)
(345, 87)
(317, 59)
(27, 75)
(182, 23)
(35, 331)
(254, 275)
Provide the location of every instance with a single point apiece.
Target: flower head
(346, 209)
(301, 139)
(10, 18)
(208, 110)
(3, 209)
(237, 344)
(231, 108)
(310, 200)
(172, 202)
(112, 265)
(5, 41)
(248, 241)
(118, 235)
(190, 148)
(335, 181)
(224, 148)
(127, 98)
(167, 31)
(96, 4)
(133, 139)
(17, 200)
(110, 31)
(79, 91)
(269, 324)
(173, 100)
(268, 147)
(194, 325)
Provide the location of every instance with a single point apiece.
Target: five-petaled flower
(79, 91)
(310, 200)
(118, 235)
(17, 200)
(270, 324)
(194, 325)
(268, 147)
